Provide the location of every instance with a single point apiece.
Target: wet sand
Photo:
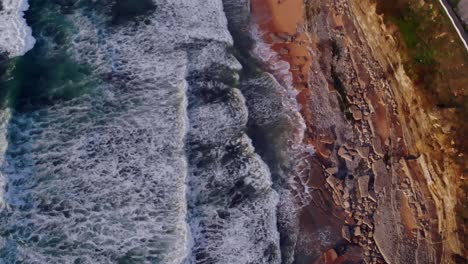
(284, 22)
(282, 25)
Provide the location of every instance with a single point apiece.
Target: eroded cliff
(388, 174)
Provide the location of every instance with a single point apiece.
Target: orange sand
(283, 20)
(286, 15)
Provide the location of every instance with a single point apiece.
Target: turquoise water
(47, 73)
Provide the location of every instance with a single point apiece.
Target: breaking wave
(16, 36)
(147, 144)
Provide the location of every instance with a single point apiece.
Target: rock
(345, 233)
(330, 256)
(357, 113)
(337, 199)
(340, 186)
(346, 204)
(363, 152)
(367, 221)
(327, 138)
(357, 231)
(353, 152)
(333, 182)
(378, 148)
(346, 194)
(363, 184)
(404, 186)
(382, 178)
(332, 170)
(342, 150)
(347, 157)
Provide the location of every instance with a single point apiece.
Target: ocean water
(137, 136)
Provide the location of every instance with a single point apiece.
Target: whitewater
(16, 36)
(154, 162)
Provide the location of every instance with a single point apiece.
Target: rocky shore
(387, 175)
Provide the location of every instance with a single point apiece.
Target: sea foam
(15, 35)
(154, 166)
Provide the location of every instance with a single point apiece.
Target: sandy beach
(281, 23)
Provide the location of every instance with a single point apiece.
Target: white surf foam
(281, 108)
(15, 35)
(103, 178)
(4, 119)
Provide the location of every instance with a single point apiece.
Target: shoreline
(377, 180)
(320, 221)
(287, 36)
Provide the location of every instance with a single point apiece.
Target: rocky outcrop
(387, 159)
(383, 186)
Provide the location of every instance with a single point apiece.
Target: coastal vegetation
(436, 60)
(432, 54)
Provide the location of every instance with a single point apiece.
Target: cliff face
(428, 173)
(385, 156)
